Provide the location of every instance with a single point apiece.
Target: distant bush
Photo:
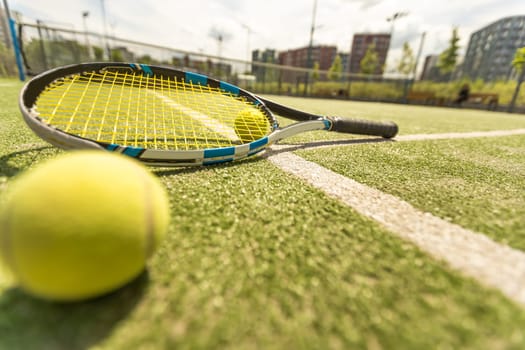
(388, 89)
(392, 90)
(505, 89)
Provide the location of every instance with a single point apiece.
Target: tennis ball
(251, 125)
(81, 225)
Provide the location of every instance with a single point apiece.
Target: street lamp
(85, 15)
(392, 19)
(248, 32)
(310, 46)
(105, 23)
(419, 54)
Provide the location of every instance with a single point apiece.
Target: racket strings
(153, 112)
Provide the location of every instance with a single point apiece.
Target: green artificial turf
(411, 119)
(19, 146)
(476, 183)
(255, 258)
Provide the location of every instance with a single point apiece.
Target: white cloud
(365, 4)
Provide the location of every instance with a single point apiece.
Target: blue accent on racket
(219, 152)
(196, 78)
(133, 151)
(229, 88)
(146, 69)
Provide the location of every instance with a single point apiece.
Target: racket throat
(298, 128)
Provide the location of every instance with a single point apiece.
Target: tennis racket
(163, 116)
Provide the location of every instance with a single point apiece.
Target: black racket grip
(364, 127)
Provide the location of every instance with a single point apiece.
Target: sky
(245, 25)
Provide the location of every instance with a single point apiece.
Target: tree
(336, 69)
(519, 64)
(448, 58)
(99, 53)
(146, 59)
(519, 60)
(407, 61)
(270, 74)
(315, 72)
(116, 55)
(370, 61)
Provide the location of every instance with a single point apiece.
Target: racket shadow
(272, 150)
(13, 163)
(281, 148)
(159, 171)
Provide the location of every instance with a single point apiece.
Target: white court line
(474, 254)
(460, 135)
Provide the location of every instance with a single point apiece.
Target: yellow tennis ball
(81, 225)
(251, 125)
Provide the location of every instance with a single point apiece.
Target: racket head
(159, 115)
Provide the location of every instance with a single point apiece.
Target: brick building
(360, 45)
(322, 54)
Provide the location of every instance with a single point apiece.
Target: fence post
(517, 90)
(16, 48)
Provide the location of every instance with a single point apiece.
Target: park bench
(421, 97)
(484, 98)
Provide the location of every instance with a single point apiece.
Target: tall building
(345, 60)
(266, 56)
(322, 54)
(360, 45)
(491, 49)
(430, 68)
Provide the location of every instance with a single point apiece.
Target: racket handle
(364, 127)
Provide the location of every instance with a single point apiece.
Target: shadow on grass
(29, 323)
(273, 150)
(16, 162)
(13, 163)
(280, 148)
(166, 171)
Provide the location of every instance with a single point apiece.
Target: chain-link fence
(44, 47)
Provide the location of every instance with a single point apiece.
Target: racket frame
(163, 157)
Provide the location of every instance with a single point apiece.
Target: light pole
(85, 15)
(41, 42)
(105, 23)
(310, 47)
(249, 31)
(393, 19)
(521, 79)
(419, 51)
